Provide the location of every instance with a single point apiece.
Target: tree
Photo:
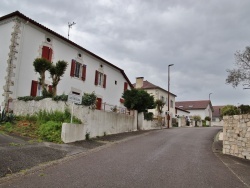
(41, 65)
(229, 110)
(196, 119)
(244, 109)
(241, 74)
(138, 100)
(56, 72)
(159, 106)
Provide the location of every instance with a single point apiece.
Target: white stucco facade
(160, 94)
(28, 43)
(202, 112)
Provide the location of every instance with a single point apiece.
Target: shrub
(51, 131)
(229, 110)
(8, 127)
(207, 118)
(148, 116)
(62, 97)
(89, 99)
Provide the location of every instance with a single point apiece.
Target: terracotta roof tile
(192, 105)
(149, 85)
(216, 112)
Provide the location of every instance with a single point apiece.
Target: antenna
(70, 26)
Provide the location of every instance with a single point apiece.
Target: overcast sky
(143, 37)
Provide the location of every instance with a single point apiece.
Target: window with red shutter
(84, 67)
(72, 70)
(98, 104)
(50, 88)
(96, 77)
(125, 86)
(33, 90)
(47, 53)
(104, 81)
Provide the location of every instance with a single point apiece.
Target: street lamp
(209, 95)
(169, 91)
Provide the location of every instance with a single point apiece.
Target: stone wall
(236, 136)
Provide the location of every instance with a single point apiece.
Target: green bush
(62, 97)
(89, 99)
(148, 116)
(229, 110)
(8, 127)
(207, 118)
(51, 131)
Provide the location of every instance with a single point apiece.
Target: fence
(113, 108)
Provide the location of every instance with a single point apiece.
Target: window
(78, 70)
(47, 53)
(115, 82)
(171, 104)
(162, 98)
(100, 79)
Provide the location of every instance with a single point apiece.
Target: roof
(149, 85)
(216, 112)
(193, 105)
(182, 110)
(22, 16)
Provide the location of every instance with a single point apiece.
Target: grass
(41, 126)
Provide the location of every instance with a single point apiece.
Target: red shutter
(50, 88)
(125, 86)
(84, 72)
(104, 81)
(33, 90)
(121, 100)
(72, 70)
(98, 104)
(96, 77)
(50, 54)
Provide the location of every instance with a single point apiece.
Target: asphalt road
(179, 157)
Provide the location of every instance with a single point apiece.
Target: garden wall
(94, 122)
(236, 136)
(146, 125)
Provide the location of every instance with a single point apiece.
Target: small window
(171, 103)
(48, 39)
(78, 70)
(162, 98)
(115, 82)
(79, 55)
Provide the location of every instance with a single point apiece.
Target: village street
(177, 157)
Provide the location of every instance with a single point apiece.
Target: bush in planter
(196, 119)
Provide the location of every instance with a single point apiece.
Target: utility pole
(169, 91)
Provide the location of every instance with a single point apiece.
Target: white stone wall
(146, 125)
(94, 122)
(236, 136)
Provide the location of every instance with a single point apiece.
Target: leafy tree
(56, 72)
(244, 109)
(196, 119)
(207, 118)
(138, 100)
(241, 74)
(229, 110)
(159, 106)
(41, 65)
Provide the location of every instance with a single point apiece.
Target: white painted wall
(157, 93)
(203, 112)
(33, 39)
(94, 122)
(182, 113)
(5, 36)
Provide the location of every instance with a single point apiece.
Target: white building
(23, 40)
(203, 108)
(159, 94)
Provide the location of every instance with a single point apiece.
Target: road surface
(177, 157)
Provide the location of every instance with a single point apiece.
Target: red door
(98, 104)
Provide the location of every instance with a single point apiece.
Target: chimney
(139, 82)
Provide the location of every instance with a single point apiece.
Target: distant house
(23, 40)
(181, 112)
(217, 113)
(158, 93)
(203, 107)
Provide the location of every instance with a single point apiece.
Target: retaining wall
(94, 122)
(236, 136)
